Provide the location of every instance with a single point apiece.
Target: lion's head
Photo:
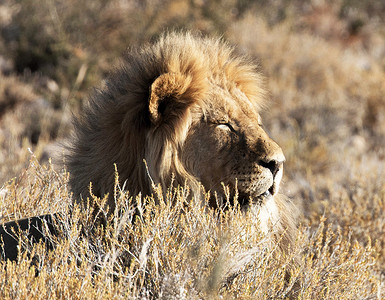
(226, 144)
(190, 107)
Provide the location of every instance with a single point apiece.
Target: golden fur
(189, 106)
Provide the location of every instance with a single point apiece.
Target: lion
(189, 106)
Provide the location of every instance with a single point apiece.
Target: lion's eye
(259, 120)
(226, 126)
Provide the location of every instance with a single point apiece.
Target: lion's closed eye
(226, 126)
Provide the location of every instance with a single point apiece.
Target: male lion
(190, 107)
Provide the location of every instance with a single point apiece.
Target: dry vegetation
(325, 64)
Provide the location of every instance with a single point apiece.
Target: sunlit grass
(325, 70)
(174, 246)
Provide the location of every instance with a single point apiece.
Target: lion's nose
(270, 155)
(272, 165)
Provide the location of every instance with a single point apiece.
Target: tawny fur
(167, 103)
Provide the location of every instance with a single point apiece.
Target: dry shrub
(38, 190)
(174, 249)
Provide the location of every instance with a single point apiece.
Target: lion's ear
(169, 96)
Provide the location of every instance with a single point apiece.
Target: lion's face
(226, 144)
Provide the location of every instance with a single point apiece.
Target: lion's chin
(246, 199)
(262, 198)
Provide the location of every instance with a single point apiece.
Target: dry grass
(177, 249)
(325, 67)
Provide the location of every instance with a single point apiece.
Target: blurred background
(324, 63)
